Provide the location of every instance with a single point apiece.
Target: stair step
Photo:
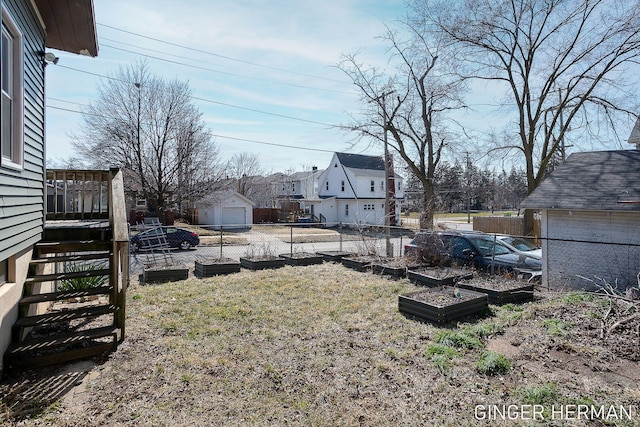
(59, 340)
(62, 295)
(44, 247)
(67, 258)
(95, 349)
(60, 316)
(72, 275)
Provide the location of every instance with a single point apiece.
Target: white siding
(581, 247)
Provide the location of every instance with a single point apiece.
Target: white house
(590, 224)
(299, 185)
(225, 209)
(351, 191)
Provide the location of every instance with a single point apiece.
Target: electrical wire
(255, 64)
(273, 144)
(215, 102)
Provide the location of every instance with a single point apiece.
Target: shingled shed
(590, 220)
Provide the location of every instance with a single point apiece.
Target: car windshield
(486, 246)
(520, 244)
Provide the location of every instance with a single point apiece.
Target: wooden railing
(77, 194)
(89, 195)
(120, 237)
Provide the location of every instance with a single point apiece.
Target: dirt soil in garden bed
(496, 283)
(443, 296)
(217, 261)
(325, 345)
(440, 272)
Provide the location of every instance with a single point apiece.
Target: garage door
(233, 217)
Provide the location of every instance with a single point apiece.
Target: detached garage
(590, 218)
(226, 209)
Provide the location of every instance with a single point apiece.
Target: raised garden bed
(441, 305)
(359, 263)
(334, 256)
(500, 290)
(169, 273)
(262, 262)
(301, 258)
(438, 276)
(216, 267)
(394, 267)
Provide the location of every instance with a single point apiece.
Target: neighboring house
(225, 209)
(299, 185)
(590, 223)
(352, 190)
(28, 27)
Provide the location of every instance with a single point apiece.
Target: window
(342, 185)
(327, 186)
(381, 185)
(293, 187)
(12, 94)
(346, 210)
(373, 186)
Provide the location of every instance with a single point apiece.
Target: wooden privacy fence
(513, 225)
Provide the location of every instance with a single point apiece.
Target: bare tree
(149, 127)
(410, 105)
(246, 170)
(563, 64)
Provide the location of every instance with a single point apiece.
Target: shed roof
(361, 161)
(594, 181)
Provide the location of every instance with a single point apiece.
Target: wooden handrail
(96, 194)
(120, 254)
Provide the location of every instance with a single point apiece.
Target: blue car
(483, 251)
(174, 237)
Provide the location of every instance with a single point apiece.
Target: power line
(216, 102)
(273, 144)
(226, 73)
(255, 64)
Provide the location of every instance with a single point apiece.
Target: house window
(381, 185)
(12, 93)
(327, 185)
(373, 186)
(293, 187)
(346, 210)
(342, 185)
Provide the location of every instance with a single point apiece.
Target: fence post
(340, 233)
(291, 241)
(220, 241)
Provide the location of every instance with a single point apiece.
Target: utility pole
(387, 219)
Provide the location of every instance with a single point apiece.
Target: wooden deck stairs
(73, 304)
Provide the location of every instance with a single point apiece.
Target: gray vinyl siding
(583, 247)
(22, 191)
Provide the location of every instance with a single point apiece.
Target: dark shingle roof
(360, 161)
(598, 180)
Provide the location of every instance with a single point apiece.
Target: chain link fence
(276, 239)
(568, 263)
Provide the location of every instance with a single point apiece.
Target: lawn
(326, 346)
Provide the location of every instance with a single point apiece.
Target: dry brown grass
(320, 346)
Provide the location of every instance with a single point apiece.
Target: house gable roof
(360, 161)
(595, 181)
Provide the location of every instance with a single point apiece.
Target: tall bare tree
(564, 65)
(149, 127)
(410, 104)
(246, 170)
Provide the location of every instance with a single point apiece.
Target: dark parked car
(469, 248)
(175, 237)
